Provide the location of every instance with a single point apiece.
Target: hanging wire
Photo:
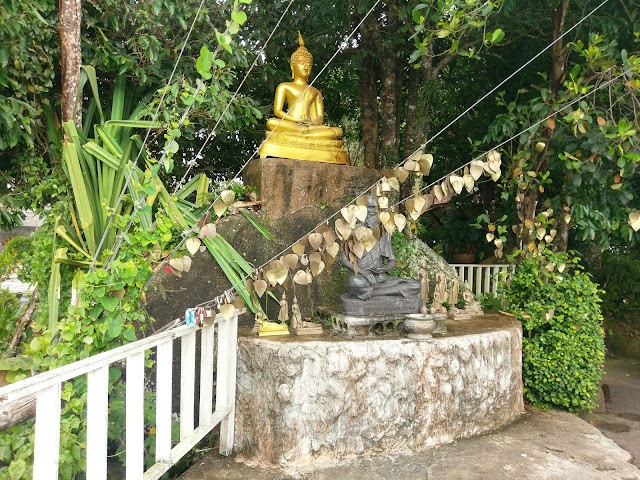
(135, 162)
(192, 229)
(530, 127)
(601, 86)
(255, 61)
(425, 143)
(120, 238)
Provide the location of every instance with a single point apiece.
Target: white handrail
(482, 279)
(47, 388)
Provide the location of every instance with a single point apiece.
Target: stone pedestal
(315, 399)
(286, 186)
(384, 305)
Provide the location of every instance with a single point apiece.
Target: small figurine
(298, 325)
(265, 328)
(283, 313)
(471, 305)
(296, 315)
(454, 292)
(423, 278)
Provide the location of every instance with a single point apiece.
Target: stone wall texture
(308, 400)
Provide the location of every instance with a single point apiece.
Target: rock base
(303, 400)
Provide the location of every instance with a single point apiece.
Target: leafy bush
(618, 275)
(9, 309)
(563, 346)
(489, 301)
(10, 256)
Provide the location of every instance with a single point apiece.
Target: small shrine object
(299, 326)
(264, 328)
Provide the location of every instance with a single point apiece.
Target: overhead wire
(135, 162)
(448, 126)
(192, 229)
(530, 127)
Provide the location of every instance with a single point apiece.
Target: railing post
(187, 384)
(226, 384)
(135, 417)
(163, 401)
(487, 280)
(97, 422)
(207, 342)
(46, 453)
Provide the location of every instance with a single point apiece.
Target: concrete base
(314, 399)
(383, 305)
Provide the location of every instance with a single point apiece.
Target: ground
(540, 445)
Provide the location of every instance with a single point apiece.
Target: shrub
(9, 308)
(10, 256)
(563, 347)
(619, 275)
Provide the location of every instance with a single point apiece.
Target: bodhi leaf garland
(309, 256)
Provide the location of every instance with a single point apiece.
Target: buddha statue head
(301, 60)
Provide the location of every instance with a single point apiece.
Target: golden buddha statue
(298, 132)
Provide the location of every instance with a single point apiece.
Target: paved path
(542, 445)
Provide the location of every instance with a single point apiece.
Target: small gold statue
(267, 328)
(298, 132)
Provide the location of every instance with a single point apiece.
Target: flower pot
(419, 326)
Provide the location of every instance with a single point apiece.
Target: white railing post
(487, 281)
(478, 279)
(46, 453)
(163, 401)
(135, 417)
(206, 374)
(97, 422)
(187, 384)
(226, 381)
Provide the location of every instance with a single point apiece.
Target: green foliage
(563, 348)
(449, 22)
(489, 301)
(8, 316)
(584, 158)
(10, 256)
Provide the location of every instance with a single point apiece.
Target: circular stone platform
(319, 398)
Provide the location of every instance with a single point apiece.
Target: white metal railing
(482, 279)
(46, 387)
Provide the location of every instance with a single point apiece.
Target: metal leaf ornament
(492, 165)
(419, 162)
(401, 174)
(634, 220)
(476, 168)
(193, 245)
(220, 206)
(207, 231)
(457, 183)
(315, 240)
(343, 229)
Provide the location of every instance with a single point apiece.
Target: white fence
(46, 388)
(482, 279)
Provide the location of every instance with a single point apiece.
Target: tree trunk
(71, 57)
(389, 106)
(389, 87)
(559, 56)
(369, 111)
(410, 138)
(558, 51)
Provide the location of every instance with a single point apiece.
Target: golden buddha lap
(299, 147)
